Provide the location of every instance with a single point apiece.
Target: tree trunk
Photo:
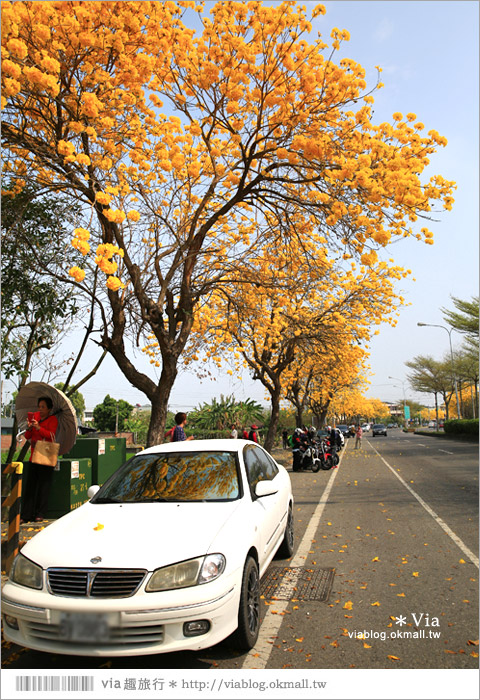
(299, 416)
(158, 418)
(447, 404)
(272, 428)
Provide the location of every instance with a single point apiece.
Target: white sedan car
(167, 555)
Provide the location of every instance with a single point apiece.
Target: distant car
(322, 433)
(166, 556)
(379, 429)
(391, 425)
(366, 427)
(345, 430)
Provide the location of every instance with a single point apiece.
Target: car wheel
(249, 609)
(286, 548)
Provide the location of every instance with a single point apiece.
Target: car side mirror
(93, 490)
(265, 488)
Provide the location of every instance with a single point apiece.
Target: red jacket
(46, 429)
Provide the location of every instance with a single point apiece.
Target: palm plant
(223, 413)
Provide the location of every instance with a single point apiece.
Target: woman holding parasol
(41, 426)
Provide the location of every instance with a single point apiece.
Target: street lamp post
(454, 376)
(404, 399)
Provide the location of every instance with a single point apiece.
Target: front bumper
(145, 623)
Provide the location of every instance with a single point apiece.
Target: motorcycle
(311, 456)
(330, 457)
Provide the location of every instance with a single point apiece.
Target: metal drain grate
(297, 583)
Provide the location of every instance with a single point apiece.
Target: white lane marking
(258, 656)
(431, 512)
(446, 452)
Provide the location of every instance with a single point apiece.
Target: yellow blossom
(114, 284)
(77, 273)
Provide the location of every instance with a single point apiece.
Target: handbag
(46, 453)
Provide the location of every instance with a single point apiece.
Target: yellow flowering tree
(258, 121)
(331, 374)
(294, 320)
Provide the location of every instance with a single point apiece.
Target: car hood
(133, 535)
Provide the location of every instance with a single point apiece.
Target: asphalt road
(398, 523)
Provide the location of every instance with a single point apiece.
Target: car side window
(259, 466)
(254, 468)
(269, 468)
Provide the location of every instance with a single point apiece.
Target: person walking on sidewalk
(358, 437)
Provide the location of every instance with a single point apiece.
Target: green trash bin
(71, 481)
(107, 455)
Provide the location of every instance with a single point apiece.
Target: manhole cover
(297, 583)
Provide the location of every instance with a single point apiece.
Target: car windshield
(173, 476)
(380, 425)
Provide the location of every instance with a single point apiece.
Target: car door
(268, 510)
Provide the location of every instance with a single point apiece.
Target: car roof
(219, 445)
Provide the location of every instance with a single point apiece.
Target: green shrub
(462, 427)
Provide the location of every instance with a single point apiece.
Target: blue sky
(430, 58)
(429, 55)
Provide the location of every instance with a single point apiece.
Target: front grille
(95, 583)
(143, 635)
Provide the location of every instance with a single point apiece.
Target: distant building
(87, 415)
(395, 409)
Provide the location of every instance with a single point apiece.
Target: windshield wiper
(107, 499)
(151, 500)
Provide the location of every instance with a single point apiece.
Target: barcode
(52, 683)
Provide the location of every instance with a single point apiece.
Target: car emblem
(96, 560)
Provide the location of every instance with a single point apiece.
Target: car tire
(286, 548)
(245, 637)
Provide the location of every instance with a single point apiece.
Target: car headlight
(187, 573)
(26, 573)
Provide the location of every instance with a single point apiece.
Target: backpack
(169, 434)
